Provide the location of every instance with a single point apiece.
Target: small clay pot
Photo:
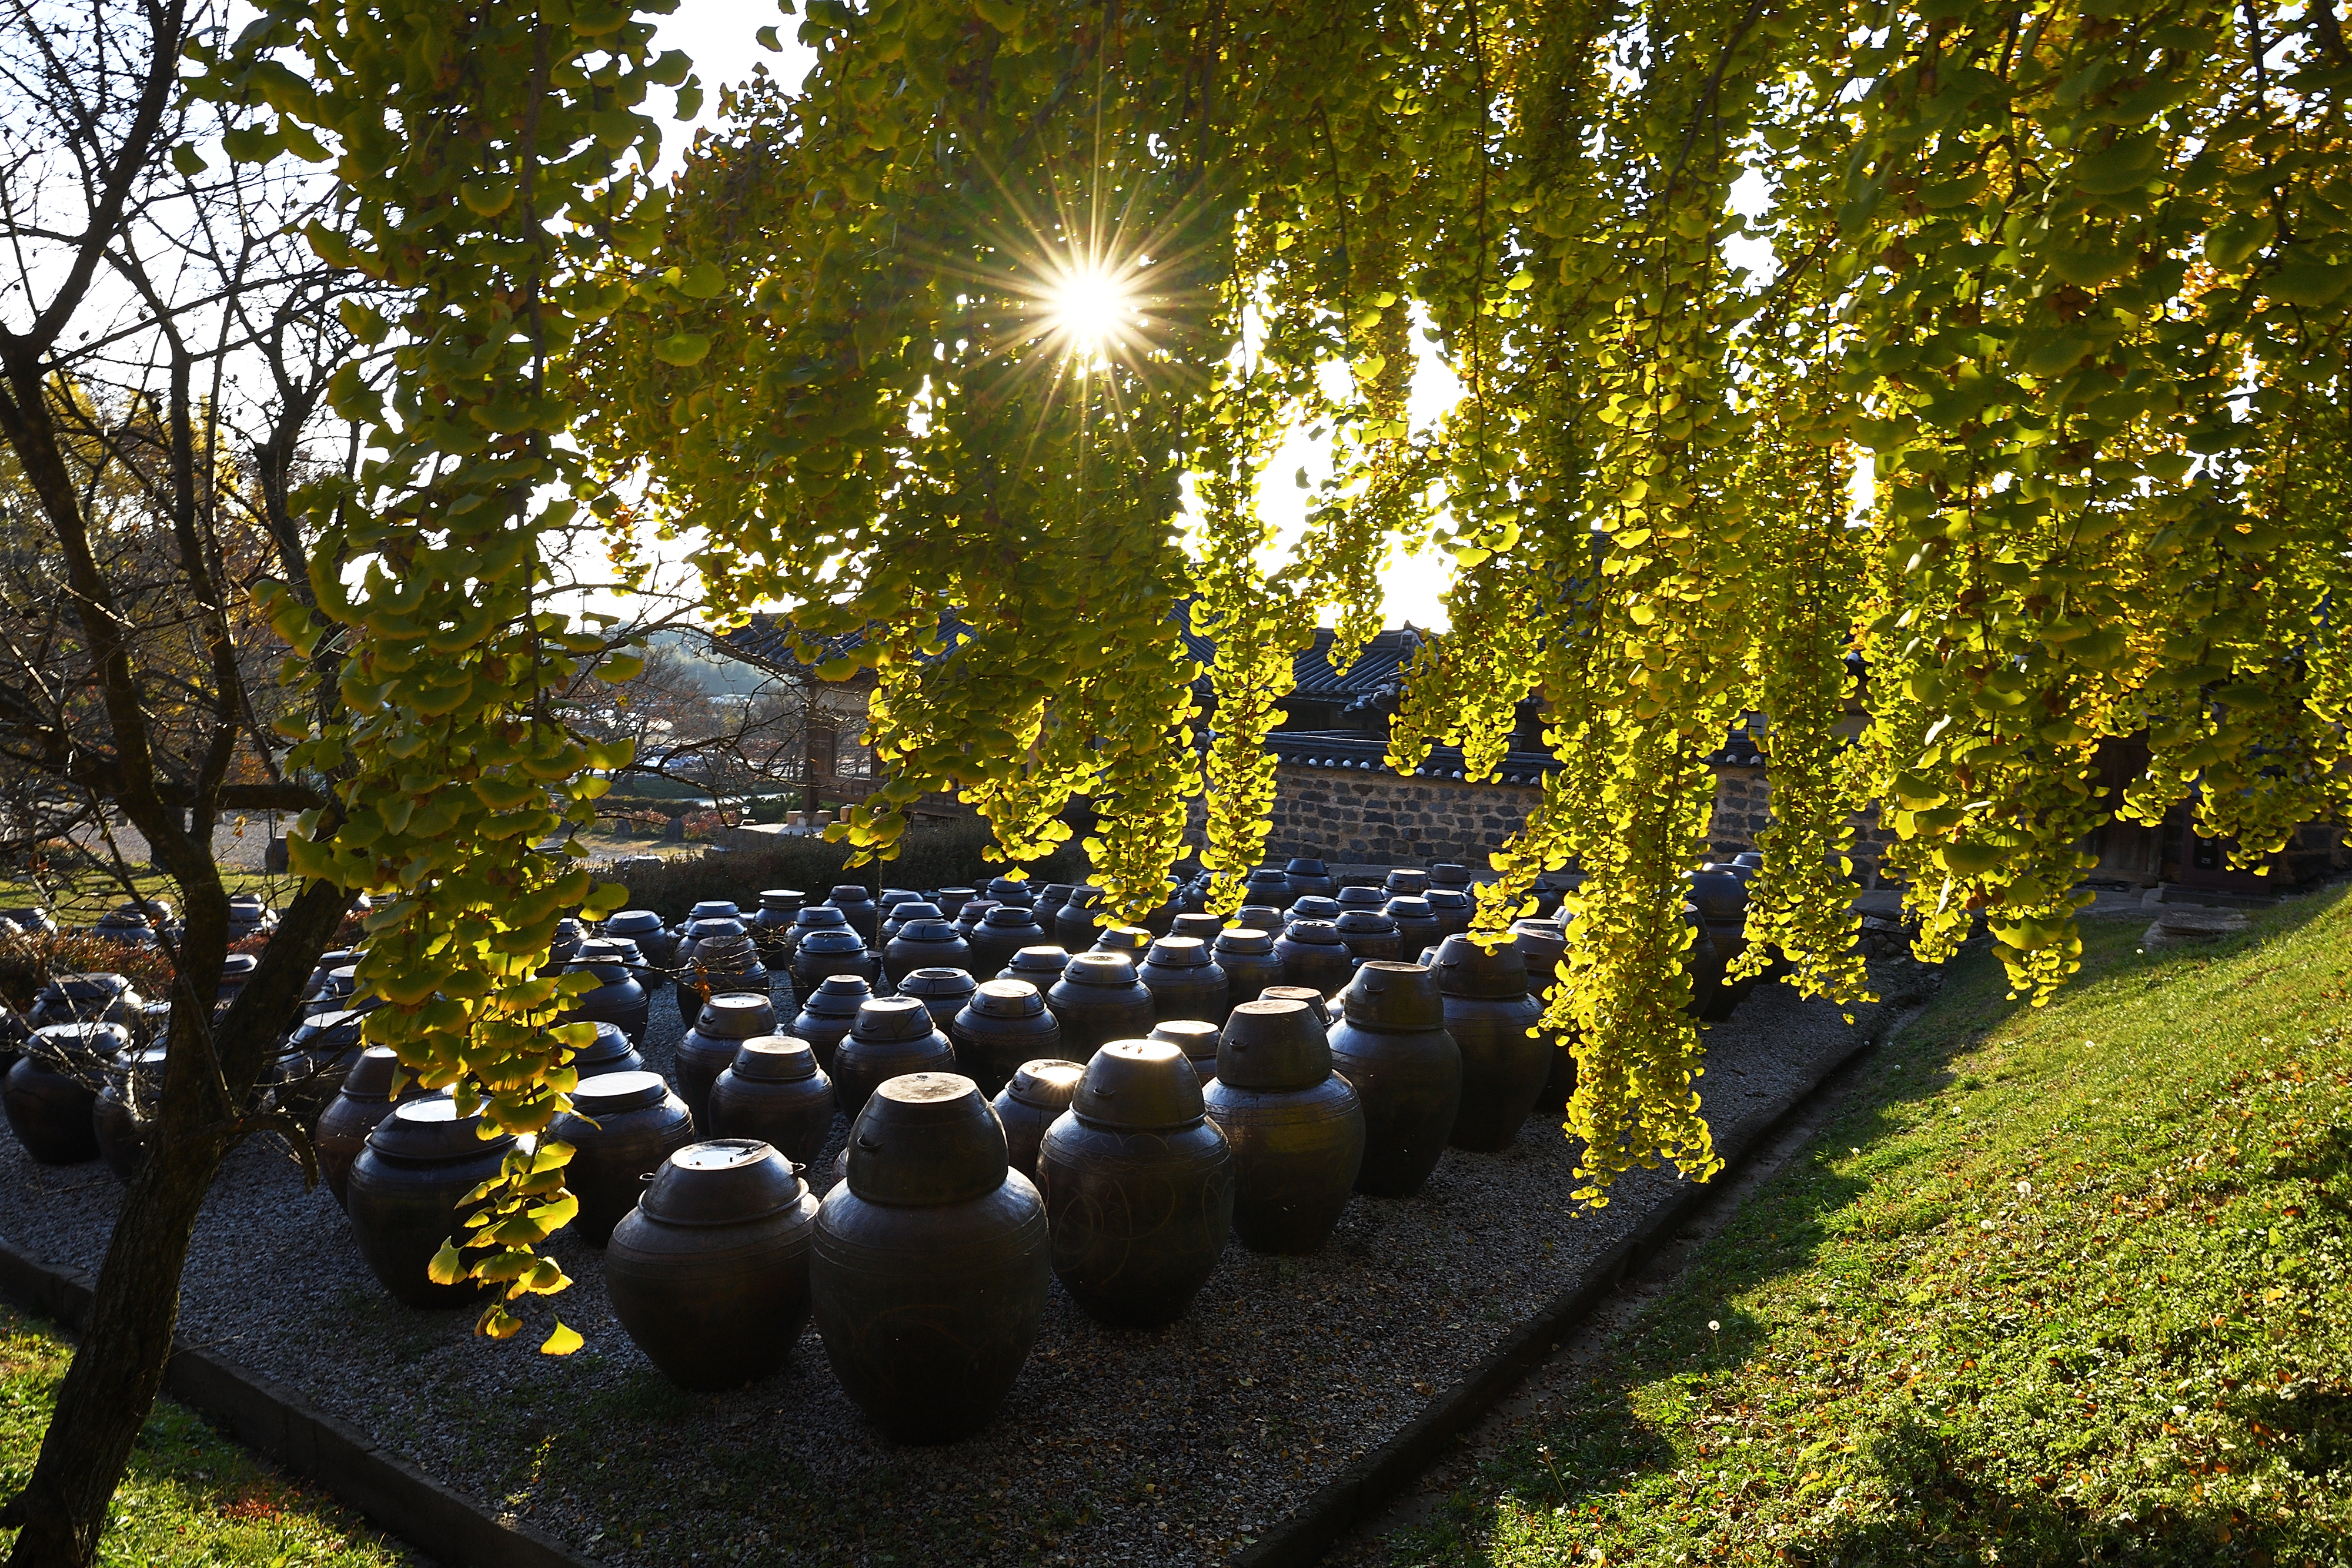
(1305, 876)
(925, 945)
(831, 1008)
(405, 1190)
(1706, 966)
(723, 961)
(1417, 925)
(1492, 1020)
(1010, 889)
(1006, 1024)
(1295, 1127)
(1031, 1101)
(99, 997)
(1096, 1000)
(1721, 898)
(709, 1048)
(124, 1107)
(1002, 933)
(709, 1273)
(1139, 1187)
(891, 1037)
(971, 914)
(775, 1091)
(374, 1084)
(1370, 935)
(930, 1270)
(1050, 899)
(1267, 885)
(1313, 955)
(1184, 981)
(943, 990)
(305, 1075)
(1390, 1044)
(1197, 1039)
(807, 920)
(621, 1127)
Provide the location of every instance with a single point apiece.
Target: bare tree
(164, 344)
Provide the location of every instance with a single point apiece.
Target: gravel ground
(1162, 1446)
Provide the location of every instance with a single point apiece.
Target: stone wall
(1350, 816)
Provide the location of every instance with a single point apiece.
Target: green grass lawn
(192, 1496)
(2063, 1285)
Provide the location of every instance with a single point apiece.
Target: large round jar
(1097, 1000)
(772, 925)
(1305, 876)
(1139, 1187)
(610, 1051)
(564, 946)
(1416, 922)
(952, 899)
(53, 1088)
(1162, 917)
(1313, 955)
(930, 1270)
(970, 913)
(1390, 1044)
(1207, 927)
(838, 951)
(125, 1106)
(1247, 959)
(1005, 1024)
(1197, 1039)
(1357, 896)
(722, 961)
(807, 920)
(709, 1273)
(32, 919)
(943, 990)
(1031, 1101)
(306, 1073)
(832, 1008)
(1315, 1001)
(235, 970)
(891, 1037)
(1313, 906)
(1184, 981)
(1074, 923)
(1448, 874)
(1369, 934)
(1040, 966)
(1263, 917)
(1706, 967)
(1267, 885)
(374, 1084)
(419, 1165)
(1296, 1128)
(859, 910)
(1003, 932)
(1007, 889)
(706, 1050)
(1050, 899)
(1452, 908)
(1541, 944)
(128, 924)
(898, 917)
(1492, 1020)
(925, 945)
(1133, 941)
(320, 991)
(100, 998)
(644, 927)
(619, 998)
(621, 1126)
(1407, 881)
(1721, 898)
(775, 1091)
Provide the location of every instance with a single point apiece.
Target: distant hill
(716, 673)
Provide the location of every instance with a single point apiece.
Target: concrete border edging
(287, 1429)
(1359, 1491)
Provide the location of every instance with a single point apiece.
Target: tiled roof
(1376, 671)
(1349, 752)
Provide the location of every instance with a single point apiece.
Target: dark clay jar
(954, 898)
(898, 917)
(772, 925)
(124, 1107)
(838, 951)
(1304, 876)
(1354, 896)
(365, 1099)
(1247, 959)
(1314, 906)
(1263, 917)
(1002, 933)
(1207, 927)
(1139, 1187)
(1314, 1000)
(943, 990)
(1706, 966)
(1296, 1128)
(1406, 882)
(970, 913)
(622, 1126)
(644, 927)
(930, 1269)
(924, 944)
(709, 1273)
(1448, 874)
(1452, 909)
(1162, 919)
(829, 1012)
(1390, 1044)
(708, 1049)
(1267, 885)
(1197, 1039)
(619, 998)
(235, 970)
(809, 919)
(775, 1091)
(324, 990)
(721, 962)
(1416, 922)
(1370, 935)
(1132, 940)
(610, 1051)
(1542, 944)
(52, 1090)
(1184, 981)
(405, 1190)
(1074, 923)
(310, 1069)
(1489, 1014)
(1003, 1025)
(1313, 955)
(1005, 890)
(891, 1037)
(1031, 1101)
(1722, 901)
(100, 998)
(1040, 966)
(859, 910)
(1096, 1000)
(1050, 899)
